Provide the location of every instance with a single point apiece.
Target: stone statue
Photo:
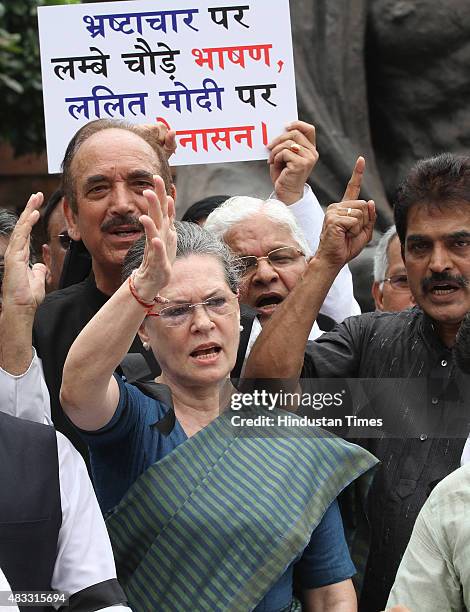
(387, 79)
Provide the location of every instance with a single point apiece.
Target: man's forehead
(258, 231)
(111, 146)
(427, 218)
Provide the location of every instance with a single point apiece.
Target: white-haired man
(272, 249)
(251, 227)
(274, 243)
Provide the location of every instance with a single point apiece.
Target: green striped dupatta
(214, 524)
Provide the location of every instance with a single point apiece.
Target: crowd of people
(127, 485)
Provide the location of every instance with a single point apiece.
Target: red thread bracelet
(148, 305)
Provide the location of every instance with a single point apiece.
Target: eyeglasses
(179, 314)
(398, 282)
(282, 257)
(64, 240)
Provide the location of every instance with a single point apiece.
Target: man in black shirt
(418, 445)
(106, 167)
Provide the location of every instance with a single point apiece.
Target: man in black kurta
(419, 447)
(407, 356)
(106, 167)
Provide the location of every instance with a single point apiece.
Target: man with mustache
(435, 573)
(106, 167)
(420, 394)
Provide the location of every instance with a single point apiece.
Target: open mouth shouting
(206, 353)
(266, 303)
(126, 231)
(443, 287)
(123, 228)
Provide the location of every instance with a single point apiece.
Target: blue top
(122, 450)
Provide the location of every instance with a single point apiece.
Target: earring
(241, 328)
(146, 346)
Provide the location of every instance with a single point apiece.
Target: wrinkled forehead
(111, 147)
(258, 233)
(195, 277)
(438, 217)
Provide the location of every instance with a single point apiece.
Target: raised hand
(23, 286)
(162, 134)
(292, 158)
(348, 225)
(160, 242)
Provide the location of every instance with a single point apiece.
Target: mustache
(428, 283)
(122, 220)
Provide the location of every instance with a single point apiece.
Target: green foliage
(21, 105)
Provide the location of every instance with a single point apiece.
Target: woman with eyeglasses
(207, 515)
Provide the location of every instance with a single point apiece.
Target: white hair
(381, 254)
(235, 210)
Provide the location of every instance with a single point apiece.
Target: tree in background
(21, 104)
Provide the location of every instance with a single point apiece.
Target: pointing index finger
(354, 186)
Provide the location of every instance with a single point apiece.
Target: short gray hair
(191, 240)
(8, 221)
(381, 254)
(235, 210)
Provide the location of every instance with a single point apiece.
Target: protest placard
(220, 73)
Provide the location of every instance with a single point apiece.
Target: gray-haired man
(390, 287)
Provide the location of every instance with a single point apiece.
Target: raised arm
(89, 392)
(292, 157)
(23, 289)
(23, 390)
(346, 230)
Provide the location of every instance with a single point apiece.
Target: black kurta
(427, 422)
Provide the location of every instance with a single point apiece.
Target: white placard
(220, 73)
